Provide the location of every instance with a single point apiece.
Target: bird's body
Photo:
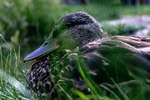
(115, 56)
(39, 79)
(106, 57)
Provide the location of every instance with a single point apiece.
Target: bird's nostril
(45, 43)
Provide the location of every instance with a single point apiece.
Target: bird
(38, 76)
(79, 37)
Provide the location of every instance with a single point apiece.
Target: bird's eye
(68, 24)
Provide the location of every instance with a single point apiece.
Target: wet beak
(48, 46)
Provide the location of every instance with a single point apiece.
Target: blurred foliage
(30, 21)
(12, 82)
(23, 21)
(30, 18)
(104, 1)
(120, 29)
(12, 77)
(133, 10)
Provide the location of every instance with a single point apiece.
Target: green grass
(132, 10)
(12, 80)
(25, 21)
(120, 29)
(12, 83)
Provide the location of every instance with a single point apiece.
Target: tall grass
(12, 82)
(28, 17)
(11, 76)
(24, 21)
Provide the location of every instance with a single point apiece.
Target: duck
(79, 36)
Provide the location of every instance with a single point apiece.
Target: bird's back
(117, 57)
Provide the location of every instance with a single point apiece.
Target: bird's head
(70, 31)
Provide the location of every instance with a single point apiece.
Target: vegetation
(120, 29)
(24, 22)
(12, 83)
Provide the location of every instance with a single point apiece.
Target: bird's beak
(48, 46)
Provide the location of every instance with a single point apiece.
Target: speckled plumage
(82, 29)
(39, 79)
(127, 53)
